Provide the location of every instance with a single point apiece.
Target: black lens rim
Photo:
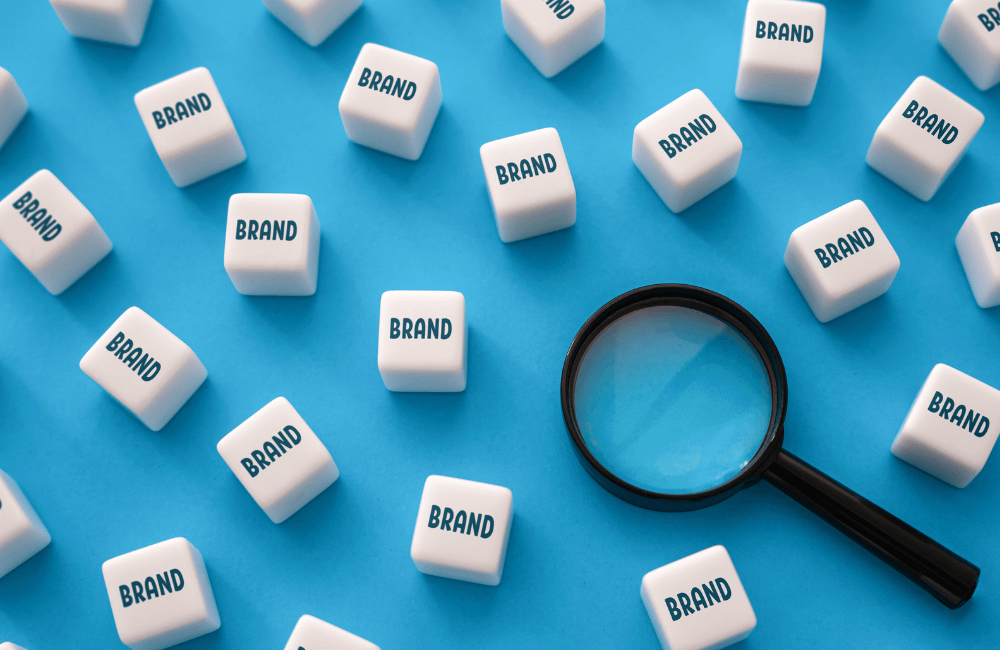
(712, 303)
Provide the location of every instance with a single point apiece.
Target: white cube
(686, 150)
(51, 232)
(122, 22)
(272, 244)
(841, 260)
(782, 52)
(978, 244)
(160, 595)
(970, 33)
(462, 530)
(22, 533)
(13, 105)
(423, 341)
(698, 602)
(530, 186)
(278, 459)
(190, 127)
(147, 369)
(390, 101)
(10, 646)
(923, 138)
(948, 431)
(312, 20)
(310, 633)
(553, 34)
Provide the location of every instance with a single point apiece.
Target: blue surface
(105, 485)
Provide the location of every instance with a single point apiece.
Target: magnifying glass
(675, 398)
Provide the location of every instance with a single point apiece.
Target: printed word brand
(269, 230)
(786, 32)
(561, 8)
(432, 328)
(395, 88)
(187, 108)
(461, 522)
(33, 215)
(543, 164)
(996, 240)
(146, 367)
(934, 125)
(699, 598)
(167, 583)
(849, 245)
(991, 19)
(688, 135)
(273, 449)
(961, 416)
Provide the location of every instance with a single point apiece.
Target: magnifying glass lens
(672, 400)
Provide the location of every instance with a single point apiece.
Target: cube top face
(462, 530)
(313, 634)
(783, 35)
(698, 602)
(22, 533)
(550, 21)
(978, 244)
(268, 232)
(688, 138)
(422, 341)
(160, 595)
(389, 87)
(951, 427)
(843, 250)
(273, 453)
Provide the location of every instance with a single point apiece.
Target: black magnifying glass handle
(946, 576)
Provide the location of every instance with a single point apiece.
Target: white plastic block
(554, 34)
(423, 341)
(531, 188)
(190, 127)
(272, 244)
(10, 646)
(698, 602)
(310, 633)
(970, 33)
(782, 52)
(22, 533)
(462, 530)
(978, 244)
(686, 150)
(951, 427)
(122, 22)
(13, 105)
(841, 260)
(312, 20)
(160, 595)
(278, 459)
(923, 138)
(51, 232)
(390, 101)
(147, 369)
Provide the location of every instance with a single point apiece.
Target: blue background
(106, 485)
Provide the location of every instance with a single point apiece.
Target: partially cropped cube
(686, 150)
(51, 232)
(951, 427)
(978, 244)
(923, 138)
(160, 595)
(311, 633)
(841, 260)
(13, 105)
(530, 186)
(22, 533)
(121, 22)
(10, 646)
(462, 530)
(782, 52)
(554, 34)
(391, 101)
(272, 244)
(423, 341)
(147, 369)
(312, 20)
(278, 459)
(970, 33)
(190, 127)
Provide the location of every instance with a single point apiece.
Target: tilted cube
(22, 533)
(312, 20)
(978, 244)
(121, 22)
(13, 105)
(554, 34)
(311, 633)
(970, 33)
